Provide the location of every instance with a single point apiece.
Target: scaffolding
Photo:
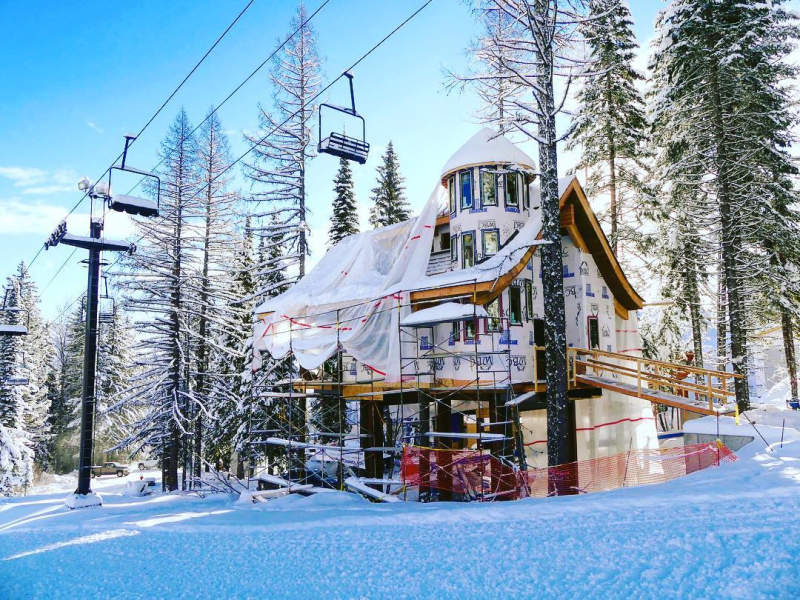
(335, 432)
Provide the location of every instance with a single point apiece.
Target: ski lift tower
(95, 244)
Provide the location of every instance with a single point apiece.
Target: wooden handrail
(689, 368)
(650, 378)
(657, 378)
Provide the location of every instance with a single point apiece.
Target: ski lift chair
(133, 205)
(341, 144)
(107, 307)
(7, 328)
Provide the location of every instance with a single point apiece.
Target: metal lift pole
(89, 364)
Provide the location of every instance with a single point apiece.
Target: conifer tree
(25, 359)
(610, 123)
(717, 68)
(388, 197)
(283, 145)
(344, 221)
(214, 286)
(161, 290)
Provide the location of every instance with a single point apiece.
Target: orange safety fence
(477, 475)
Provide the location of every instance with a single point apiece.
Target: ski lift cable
(344, 73)
(155, 114)
(317, 95)
(243, 82)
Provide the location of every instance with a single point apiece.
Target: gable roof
(488, 280)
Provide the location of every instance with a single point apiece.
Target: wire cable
(155, 114)
(317, 95)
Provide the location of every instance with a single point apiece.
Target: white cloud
(95, 126)
(34, 181)
(20, 216)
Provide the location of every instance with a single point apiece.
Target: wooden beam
(442, 220)
(621, 311)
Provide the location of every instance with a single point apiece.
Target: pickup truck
(109, 468)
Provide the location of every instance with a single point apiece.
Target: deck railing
(682, 381)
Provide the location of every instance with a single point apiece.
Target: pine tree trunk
(559, 447)
(737, 317)
(788, 349)
(693, 300)
(612, 171)
(722, 326)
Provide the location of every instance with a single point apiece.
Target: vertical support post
(444, 424)
(89, 364)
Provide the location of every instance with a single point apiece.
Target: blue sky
(78, 75)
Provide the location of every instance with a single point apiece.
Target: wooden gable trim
(581, 224)
(621, 311)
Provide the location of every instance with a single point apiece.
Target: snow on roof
(487, 147)
(563, 184)
(449, 311)
(495, 266)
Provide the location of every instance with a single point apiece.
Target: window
(490, 240)
(467, 249)
(453, 249)
(465, 177)
(514, 306)
(488, 188)
(594, 333)
(451, 189)
(470, 331)
(445, 240)
(512, 198)
(529, 299)
(455, 334)
(493, 322)
(526, 192)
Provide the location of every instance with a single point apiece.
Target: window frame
(464, 234)
(490, 172)
(589, 321)
(483, 241)
(455, 332)
(475, 338)
(453, 196)
(528, 285)
(498, 327)
(526, 193)
(515, 289)
(461, 175)
(442, 240)
(453, 248)
(515, 204)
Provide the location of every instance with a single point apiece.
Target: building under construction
(416, 352)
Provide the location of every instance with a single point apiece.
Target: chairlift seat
(133, 205)
(344, 146)
(13, 330)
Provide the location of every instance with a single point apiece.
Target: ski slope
(729, 532)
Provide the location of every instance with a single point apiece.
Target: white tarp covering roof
(353, 296)
(487, 147)
(441, 313)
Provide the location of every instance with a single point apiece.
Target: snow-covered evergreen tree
(160, 289)
(389, 205)
(283, 145)
(24, 366)
(344, 220)
(610, 123)
(214, 315)
(497, 86)
(717, 69)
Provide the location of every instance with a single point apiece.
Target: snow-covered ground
(725, 532)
